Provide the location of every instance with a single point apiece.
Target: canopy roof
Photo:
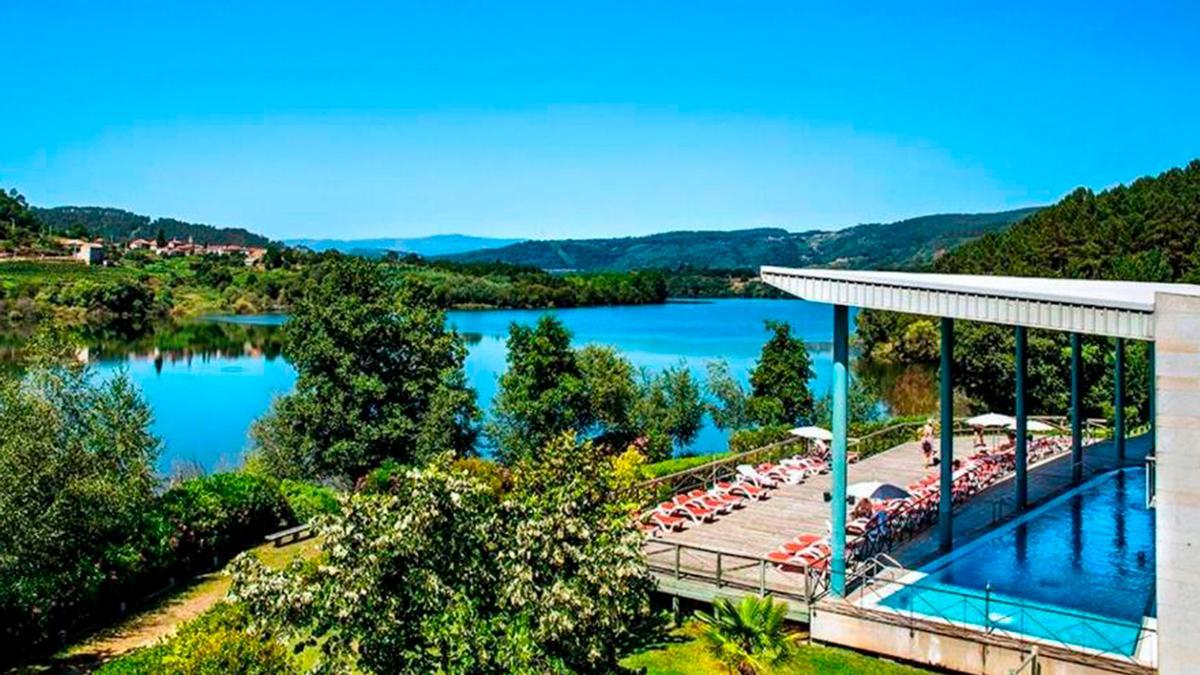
(1112, 308)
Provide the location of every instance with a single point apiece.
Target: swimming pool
(1077, 570)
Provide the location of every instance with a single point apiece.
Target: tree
(542, 391)
(670, 411)
(611, 389)
(779, 382)
(749, 637)
(446, 575)
(76, 482)
(728, 404)
(380, 376)
(160, 240)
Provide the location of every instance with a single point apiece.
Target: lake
(207, 381)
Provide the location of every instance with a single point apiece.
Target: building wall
(1177, 488)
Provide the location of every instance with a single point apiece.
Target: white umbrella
(991, 420)
(1035, 426)
(815, 433)
(876, 490)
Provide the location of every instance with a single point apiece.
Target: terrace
(845, 594)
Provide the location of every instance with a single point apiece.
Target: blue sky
(568, 120)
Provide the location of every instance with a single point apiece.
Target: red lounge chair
(800, 544)
(732, 500)
(786, 562)
(663, 522)
(692, 509)
(744, 488)
(709, 501)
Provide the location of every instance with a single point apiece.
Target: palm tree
(748, 637)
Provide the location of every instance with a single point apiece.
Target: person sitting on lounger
(863, 509)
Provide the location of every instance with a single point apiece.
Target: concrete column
(1177, 488)
(1076, 408)
(1119, 400)
(1022, 449)
(1152, 389)
(946, 502)
(841, 395)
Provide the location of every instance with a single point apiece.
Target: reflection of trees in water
(907, 390)
(163, 343)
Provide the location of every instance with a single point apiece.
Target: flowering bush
(441, 574)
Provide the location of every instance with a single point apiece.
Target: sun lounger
(749, 473)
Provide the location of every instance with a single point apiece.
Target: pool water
(1078, 570)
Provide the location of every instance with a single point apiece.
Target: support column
(1022, 447)
(1119, 401)
(946, 500)
(1152, 389)
(1076, 408)
(841, 389)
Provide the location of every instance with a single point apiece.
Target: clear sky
(560, 119)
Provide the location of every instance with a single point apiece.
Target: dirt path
(148, 624)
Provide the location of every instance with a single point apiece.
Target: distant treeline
(120, 225)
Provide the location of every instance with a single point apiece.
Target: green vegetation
(216, 642)
(443, 575)
(685, 654)
(748, 637)
(380, 377)
(903, 244)
(779, 395)
(120, 225)
(85, 526)
(1146, 231)
(550, 388)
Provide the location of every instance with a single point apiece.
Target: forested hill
(904, 244)
(1148, 230)
(121, 225)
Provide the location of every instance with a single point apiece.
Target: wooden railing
(656, 490)
(735, 571)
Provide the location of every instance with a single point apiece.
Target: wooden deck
(727, 557)
(801, 509)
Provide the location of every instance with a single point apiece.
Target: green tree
(779, 382)
(670, 411)
(542, 391)
(380, 376)
(728, 401)
(446, 575)
(749, 637)
(612, 390)
(160, 240)
(76, 482)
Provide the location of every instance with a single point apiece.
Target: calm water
(208, 381)
(1090, 553)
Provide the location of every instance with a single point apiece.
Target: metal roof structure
(1111, 308)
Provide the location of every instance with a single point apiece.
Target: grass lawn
(687, 656)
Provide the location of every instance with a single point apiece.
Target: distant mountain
(435, 245)
(905, 244)
(120, 225)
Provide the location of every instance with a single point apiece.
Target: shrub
(490, 473)
(215, 643)
(751, 439)
(216, 516)
(306, 501)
